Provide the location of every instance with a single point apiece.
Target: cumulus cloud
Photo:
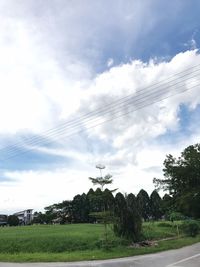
(53, 71)
(128, 79)
(134, 155)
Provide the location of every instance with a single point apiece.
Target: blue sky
(63, 59)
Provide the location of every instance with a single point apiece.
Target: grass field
(77, 242)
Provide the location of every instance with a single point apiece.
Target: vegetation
(127, 218)
(13, 220)
(120, 216)
(191, 228)
(79, 242)
(143, 204)
(182, 180)
(106, 198)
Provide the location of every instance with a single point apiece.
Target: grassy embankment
(79, 242)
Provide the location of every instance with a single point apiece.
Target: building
(25, 217)
(3, 219)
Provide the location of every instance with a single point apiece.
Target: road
(184, 257)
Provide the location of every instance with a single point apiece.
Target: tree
(128, 221)
(136, 223)
(156, 205)
(51, 213)
(182, 180)
(106, 215)
(80, 209)
(120, 213)
(102, 181)
(108, 199)
(13, 220)
(143, 203)
(39, 218)
(167, 205)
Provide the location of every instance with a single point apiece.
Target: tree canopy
(182, 180)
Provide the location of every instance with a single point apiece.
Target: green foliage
(65, 238)
(182, 180)
(143, 203)
(80, 209)
(176, 216)
(154, 231)
(155, 205)
(190, 228)
(74, 242)
(102, 181)
(13, 220)
(167, 205)
(164, 224)
(128, 221)
(105, 203)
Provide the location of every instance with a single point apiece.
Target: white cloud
(134, 156)
(127, 79)
(34, 88)
(48, 60)
(37, 189)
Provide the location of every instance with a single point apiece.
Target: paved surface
(184, 257)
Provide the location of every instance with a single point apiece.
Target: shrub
(176, 216)
(13, 220)
(164, 224)
(190, 228)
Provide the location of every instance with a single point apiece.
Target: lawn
(78, 242)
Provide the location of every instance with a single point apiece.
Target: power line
(58, 132)
(157, 98)
(127, 99)
(163, 82)
(131, 99)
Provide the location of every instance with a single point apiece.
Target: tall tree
(102, 181)
(101, 197)
(80, 209)
(120, 213)
(182, 180)
(136, 226)
(167, 204)
(128, 221)
(156, 205)
(143, 202)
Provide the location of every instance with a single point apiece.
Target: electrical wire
(156, 99)
(129, 101)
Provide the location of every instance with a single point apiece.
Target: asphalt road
(184, 257)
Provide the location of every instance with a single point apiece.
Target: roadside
(98, 254)
(187, 256)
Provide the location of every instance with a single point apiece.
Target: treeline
(82, 208)
(181, 180)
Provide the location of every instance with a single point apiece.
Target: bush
(13, 220)
(164, 224)
(176, 216)
(190, 228)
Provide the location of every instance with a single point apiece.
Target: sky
(87, 82)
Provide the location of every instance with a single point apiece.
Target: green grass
(158, 230)
(77, 242)
(53, 238)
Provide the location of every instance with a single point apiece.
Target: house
(25, 217)
(3, 219)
